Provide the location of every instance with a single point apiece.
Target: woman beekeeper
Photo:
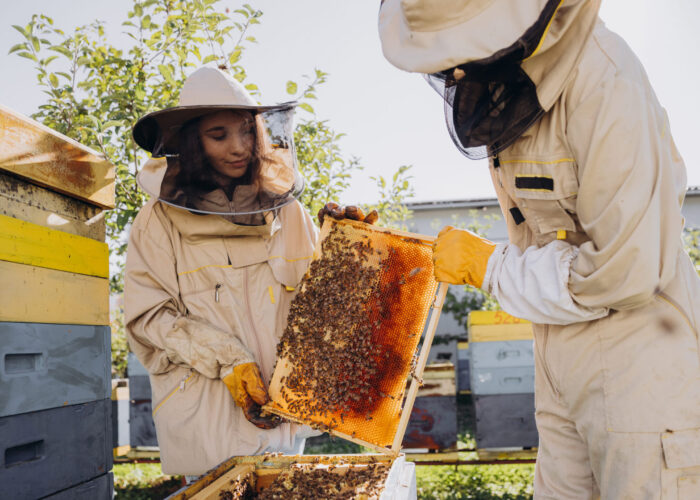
(212, 264)
(591, 185)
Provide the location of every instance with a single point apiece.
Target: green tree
(96, 91)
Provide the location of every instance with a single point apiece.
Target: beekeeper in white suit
(591, 184)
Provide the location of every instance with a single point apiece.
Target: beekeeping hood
(272, 179)
(499, 64)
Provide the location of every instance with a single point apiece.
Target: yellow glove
(461, 257)
(248, 390)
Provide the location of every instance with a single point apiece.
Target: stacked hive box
(142, 429)
(433, 422)
(463, 379)
(502, 373)
(55, 426)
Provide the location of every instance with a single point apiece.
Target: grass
(143, 482)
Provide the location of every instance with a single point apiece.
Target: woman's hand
(347, 212)
(249, 392)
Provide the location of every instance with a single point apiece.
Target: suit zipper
(249, 311)
(545, 364)
(178, 388)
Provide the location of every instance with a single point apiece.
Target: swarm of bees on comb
(332, 332)
(337, 483)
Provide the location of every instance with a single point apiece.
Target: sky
(390, 117)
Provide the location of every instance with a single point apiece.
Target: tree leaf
(62, 50)
(28, 55)
(291, 87)
(20, 29)
(167, 73)
(306, 107)
(53, 79)
(19, 46)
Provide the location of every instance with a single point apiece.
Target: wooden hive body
(392, 475)
(54, 313)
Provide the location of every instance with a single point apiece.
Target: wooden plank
(445, 456)
(26, 243)
(40, 295)
(48, 158)
(490, 333)
(28, 202)
(493, 318)
(438, 387)
(212, 491)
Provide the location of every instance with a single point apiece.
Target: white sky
(391, 118)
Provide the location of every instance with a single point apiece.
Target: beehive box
(502, 367)
(433, 422)
(142, 428)
(485, 326)
(306, 476)
(54, 312)
(463, 382)
(47, 451)
(353, 331)
(505, 421)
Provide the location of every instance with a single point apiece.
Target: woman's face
(228, 138)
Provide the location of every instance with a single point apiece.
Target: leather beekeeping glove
(248, 390)
(461, 257)
(347, 212)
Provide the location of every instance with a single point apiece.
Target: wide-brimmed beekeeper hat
(275, 181)
(498, 64)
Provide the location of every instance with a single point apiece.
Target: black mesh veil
(271, 178)
(491, 102)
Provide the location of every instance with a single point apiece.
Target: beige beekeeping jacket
(623, 377)
(203, 295)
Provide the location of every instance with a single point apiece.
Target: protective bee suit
(203, 295)
(591, 186)
(208, 285)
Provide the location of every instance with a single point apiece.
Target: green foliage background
(95, 92)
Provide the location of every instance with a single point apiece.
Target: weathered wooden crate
(433, 422)
(505, 421)
(46, 366)
(262, 471)
(53, 259)
(45, 452)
